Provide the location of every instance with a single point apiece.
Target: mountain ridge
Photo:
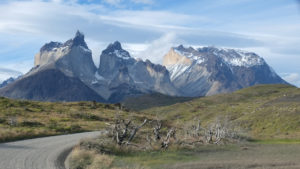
(216, 70)
(185, 72)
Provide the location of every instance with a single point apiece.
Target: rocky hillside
(208, 70)
(125, 75)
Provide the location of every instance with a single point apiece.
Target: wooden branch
(165, 143)
(156, 130)
(135, 131)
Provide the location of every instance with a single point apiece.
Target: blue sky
(148, 28)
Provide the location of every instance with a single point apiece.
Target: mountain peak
(51, 45)
(180, 47)
(79, 34)
(78, 40)
(115, 46)
(116, 50)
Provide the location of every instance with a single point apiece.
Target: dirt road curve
(40, 153)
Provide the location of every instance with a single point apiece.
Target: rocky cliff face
(209, 70)
(73, 57)
(121, 70)
(62, 72)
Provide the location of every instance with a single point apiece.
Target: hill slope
(20, 119)
(147, 101)
(263, 111)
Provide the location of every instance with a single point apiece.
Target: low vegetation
(21, 119)
(237, 156)
(144, 102)
(246, 129)
(262, 112)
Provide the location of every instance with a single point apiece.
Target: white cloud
(161, 20)
(49, 18)
(7, 73)
(143, 1)
(158, 48)
(96, 47)
(293, 78)
(113, 2)
(57, 1)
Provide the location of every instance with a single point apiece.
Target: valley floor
(244, 156)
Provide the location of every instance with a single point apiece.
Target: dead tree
(166, 141)
(133, 132)
(209, 136)
(156, 130)
(121, 130)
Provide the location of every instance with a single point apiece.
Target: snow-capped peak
(116, 50)
(121, 54)
(235, 57)
(190, 53)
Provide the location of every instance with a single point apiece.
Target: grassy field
(261, 112)
(27, 119)
(152, 100)
(241, 156)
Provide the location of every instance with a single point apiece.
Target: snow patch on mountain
(190, 55)
(85, 49)
(236, 57)
(121, 54)
(99, 77)
(177, 70)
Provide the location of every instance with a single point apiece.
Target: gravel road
(40, 153)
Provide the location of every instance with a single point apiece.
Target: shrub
(31, 124)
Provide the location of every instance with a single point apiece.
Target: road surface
(40, 153)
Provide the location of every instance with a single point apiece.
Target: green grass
(277, 141)
(38, 119)
(261, 112)
(152, 100)
(246, 155)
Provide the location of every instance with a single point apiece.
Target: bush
(31, 124)
(2, 120)
(86, 116)
(83, 159)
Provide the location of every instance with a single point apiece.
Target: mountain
(61, 73)
(73, 57)
(126, 76)
(9, 80)
(66, 72)
(209, 70)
